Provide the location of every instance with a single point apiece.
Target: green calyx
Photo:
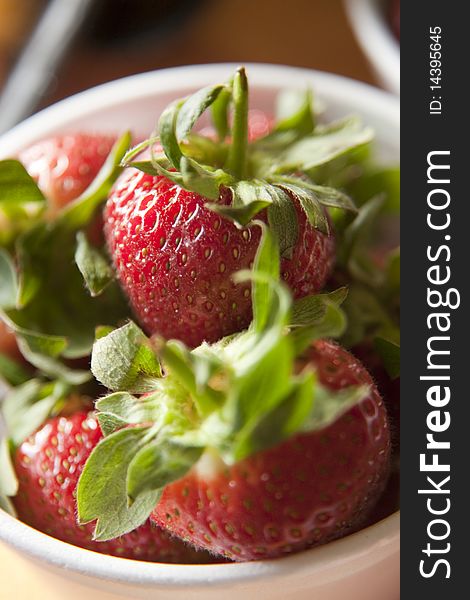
(267, 173)
(373, 303)
(236, 397)
(56, 287)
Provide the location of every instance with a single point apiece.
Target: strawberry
(8, 344)
(260, 124)
(48, 465)
(264, 443)
(175, 259)
(180, 226)
(65, 165)
(308, 490)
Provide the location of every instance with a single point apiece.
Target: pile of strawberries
(219, 419)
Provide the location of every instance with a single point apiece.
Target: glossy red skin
(48, 466)
(307, 491)
(64, 166)
(175, 259)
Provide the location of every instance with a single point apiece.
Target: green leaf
(30, 346)
(316, 317)
(48, 345)
(8, 479)
(167, 131)
(12, 372)
(267, 265)
(193, 372)
(374, 180)
(294, 112)
(248, 199)
(7, 505)
(101, 490)
(52, 302)
(124, 360)
(220, 113)
(295, 120)
(158, 165)
(309, 202)
(21, 201)
(17, 187)
(327, 196)
(389, 352)
(33, 242)
(357, 234)
(271, 427)
(158, 464)
(120, 409)
(193, 108)
(201, 180)
(364, 312)
(332, 324)
(102, 330)
(42, 350)
(310, 310)
(333, 198)
(128, 157)
(262, 381)
(78, 214)
(324, 146)
(204, 150)
(54, 314)
(282, 219)
(27, 406)
(328, 406)
(95, 269)
(8, 280)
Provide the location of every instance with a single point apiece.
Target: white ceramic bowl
(370, 22)
(362, 566)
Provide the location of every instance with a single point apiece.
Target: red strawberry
(8, 342)
(48, 466)
(389, 388)
(313, 488)
(175, 258)
(259, 125)
(394, 15)
(65, 165)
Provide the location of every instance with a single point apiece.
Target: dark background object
(123, 37)
(137, 22)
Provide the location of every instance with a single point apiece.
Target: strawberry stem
(236, 161)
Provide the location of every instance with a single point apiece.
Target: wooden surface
(20, 579)
(307, 33)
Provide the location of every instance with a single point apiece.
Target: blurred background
(50, 49)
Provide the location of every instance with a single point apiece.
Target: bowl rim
(378, 540)
(144, 85)
(376, 39)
